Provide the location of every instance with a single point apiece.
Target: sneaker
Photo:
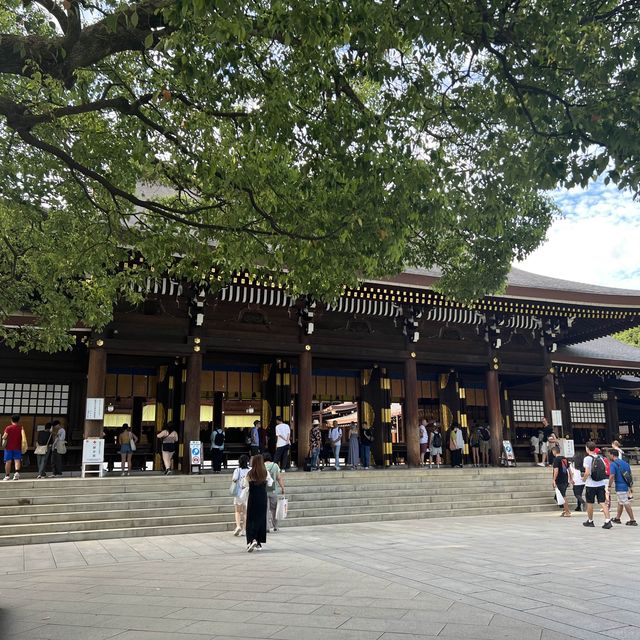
(607, 525)
(38, 477)
(540, 464)
(259, 547)
(236, 531)
(6, 478)
(16, 476)
(274, 530)
(631, 523)
(616, 520)
(251, 546)
(588, 523)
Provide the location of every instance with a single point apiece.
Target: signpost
(567, 448)
(195, 456)
(92, 456)
(508, 455)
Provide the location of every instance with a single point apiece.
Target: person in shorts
(620, 474)
(12, 443)
(596, 490)
(435, 446)
(424, 441)
(561, 479)
(485, 445)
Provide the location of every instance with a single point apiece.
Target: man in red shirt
(12, 443)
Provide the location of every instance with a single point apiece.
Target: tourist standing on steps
(576, 471)
(283, 443)
(485, 445)
(255, 438)
(435, 446)
(264, 438)
(456, 445)
(354, 445)
(59, 447)
(474, 445)
(256, 522)
(547, 430)
(366, 440)
(169, 438)
(561, 479)
(12, 443)
(596, 478)
(335, 438)
(125, 439)
(217, 449)
(315, 443)
(239, 504)
(274, 491)
(620, 475)
(423, 434)
(43, 450)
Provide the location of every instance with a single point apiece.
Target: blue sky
(596, 239)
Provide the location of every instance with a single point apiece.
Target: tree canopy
(325, 140)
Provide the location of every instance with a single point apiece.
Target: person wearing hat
(315, 442)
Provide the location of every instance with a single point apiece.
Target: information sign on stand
(195, 456)
(92, 456)
(508, 455)
(556, 418)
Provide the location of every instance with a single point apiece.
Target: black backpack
(598, 469)
(484, 434)
(218, 439)
(437, 440)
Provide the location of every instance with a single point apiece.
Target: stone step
(208, 527)
(298, 509)
(308, 500)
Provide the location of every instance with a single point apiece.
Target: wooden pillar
(412, 430)
(305, 398)
(549, 395)
(96, 375)
(192, 390)
(495, 415)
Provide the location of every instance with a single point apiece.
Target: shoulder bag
(233, 487)
(61, 447)
(132, 442)
(42, 449)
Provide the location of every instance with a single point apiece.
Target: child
(575, 477)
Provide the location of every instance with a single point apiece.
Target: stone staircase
(71, 509)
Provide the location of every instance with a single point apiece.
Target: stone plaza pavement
(528, 577)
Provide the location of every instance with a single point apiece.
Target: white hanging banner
(95, 409)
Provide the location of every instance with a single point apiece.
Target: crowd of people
(592, 475)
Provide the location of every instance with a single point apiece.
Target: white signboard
(508, 450)
(93, 451)
(556, 418)
(195, 453)
(95, 409)
(567, 448)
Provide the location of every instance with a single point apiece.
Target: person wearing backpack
(620, 475)
(217, 449)
(474, 445)
(596, 479)
(366, 440)
(435, 447)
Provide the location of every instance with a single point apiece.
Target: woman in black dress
(256, 522)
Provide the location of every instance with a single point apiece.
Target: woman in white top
(238, 502)
(424, 441)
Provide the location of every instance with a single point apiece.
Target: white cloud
(597, 240)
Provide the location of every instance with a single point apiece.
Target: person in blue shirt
(620, 475)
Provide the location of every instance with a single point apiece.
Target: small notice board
(92, 456)
(95, 409)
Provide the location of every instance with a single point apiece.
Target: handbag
(25, 443)
(282, 509)
(132, 443)
(61, 447)
(243, 498)
(233, 487)
(41, 449)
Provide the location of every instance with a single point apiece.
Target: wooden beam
(411, 411)
(305, 398)
(495, 415)
(96, 375)
(193, 386)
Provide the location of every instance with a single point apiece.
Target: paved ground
(534, 577)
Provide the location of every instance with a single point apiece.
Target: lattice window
(26, 399)
(587, 412)
(528, 410)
